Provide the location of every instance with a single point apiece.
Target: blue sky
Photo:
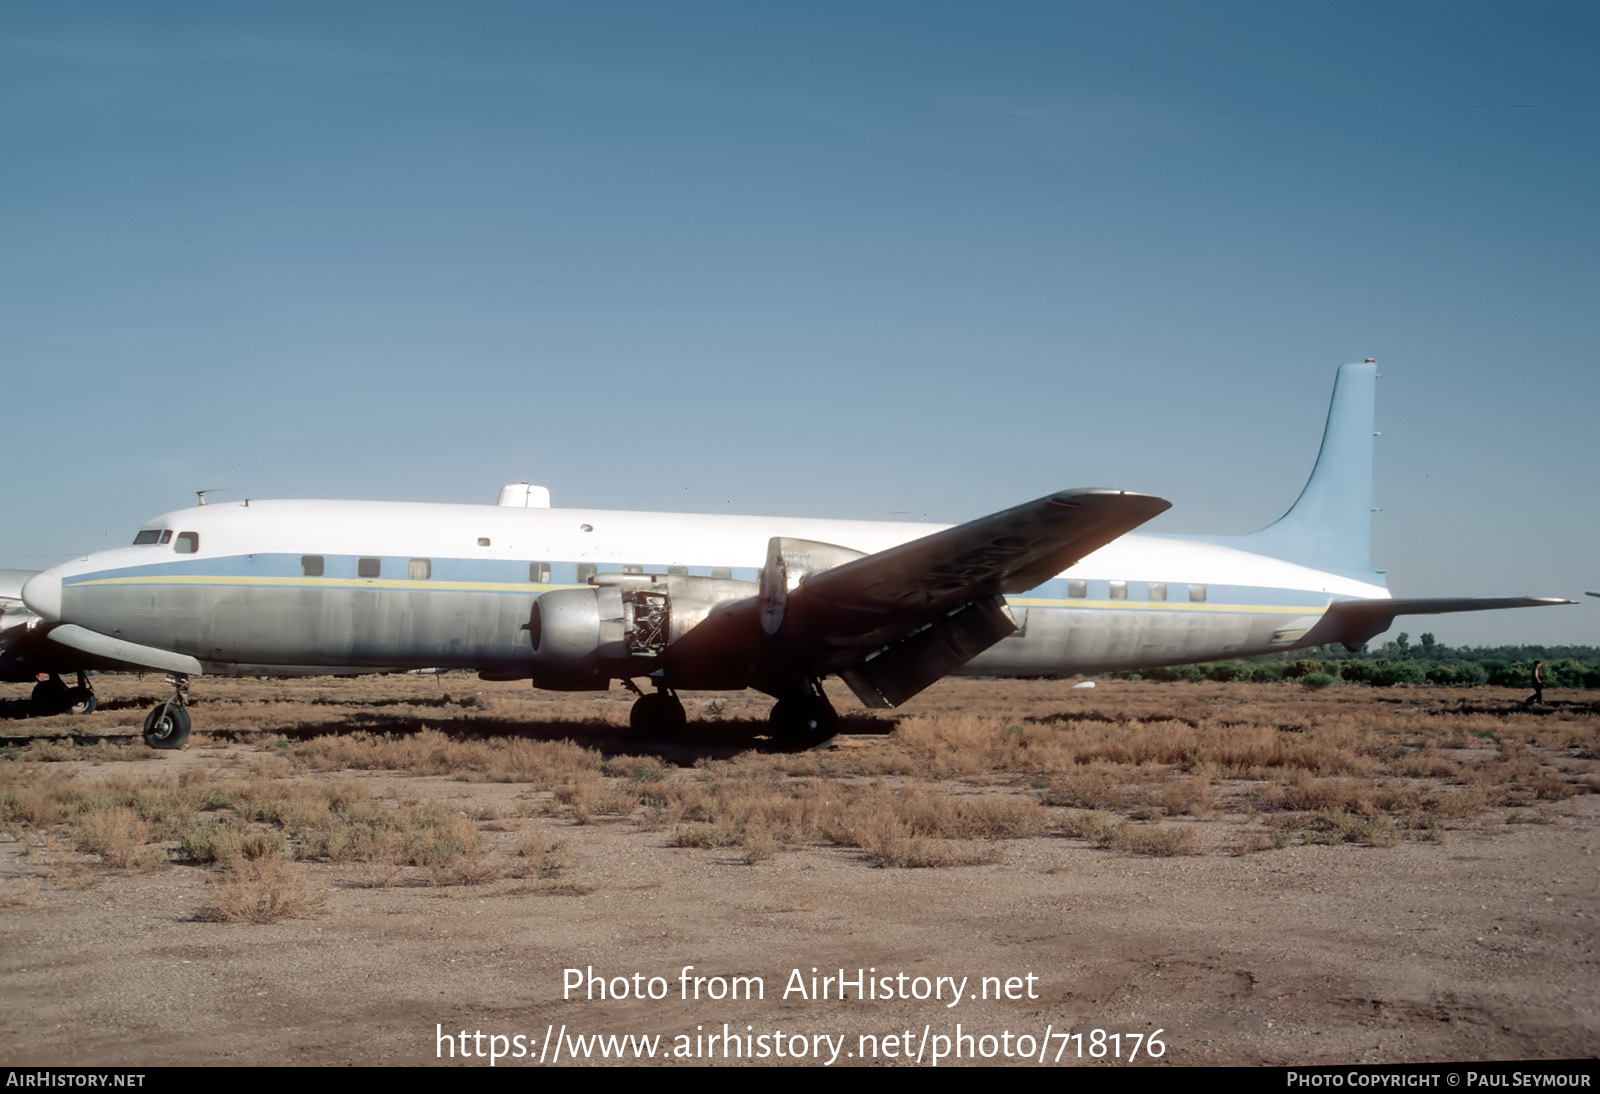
(866, 260)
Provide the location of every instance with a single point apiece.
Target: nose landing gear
(167, 725)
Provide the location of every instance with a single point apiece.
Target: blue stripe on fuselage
(513, 574)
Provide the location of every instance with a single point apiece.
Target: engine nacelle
(571, 627)
(789, 562)
(624, 621)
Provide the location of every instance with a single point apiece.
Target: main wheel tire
(81, 701)
(799, 724)
(166, 726)
(50, 697)
(658, 713)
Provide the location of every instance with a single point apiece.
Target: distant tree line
(1400, 662)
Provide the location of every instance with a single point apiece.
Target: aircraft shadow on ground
(1500, 710)
(719, 739)
(1063, 716)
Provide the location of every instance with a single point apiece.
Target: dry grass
(948, 780)
(262, 890)
(1094, 825)
(900, 849)
(119, 837)
(543, 856)
(227, 842)
(1162, 840)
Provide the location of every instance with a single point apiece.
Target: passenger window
(1197, 593)
(419, 569)
(368, 567)
(678, 571)
(149, 535)
(1077, 589)
(1119, 590)
(586, 570)
(188, 543)
(483, 541)
(310, 565)
(539, 572)
(1158, 590)
(721, 571)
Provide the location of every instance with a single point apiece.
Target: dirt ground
(1476, 943)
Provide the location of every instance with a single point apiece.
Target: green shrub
(1383, 674)
(1458, 675)
(1188, 673)
(1358, 671)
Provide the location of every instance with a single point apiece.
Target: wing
(103, 648)
(892, 623)
(1011, 551)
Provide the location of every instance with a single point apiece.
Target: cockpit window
(146, 535)
(166, 536)
(188, 543)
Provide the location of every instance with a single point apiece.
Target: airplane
(25, 654)
(572, 599)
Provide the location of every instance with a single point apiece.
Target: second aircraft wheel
(658, 712)
(802, 723)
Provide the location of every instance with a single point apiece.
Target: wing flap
(897, 672)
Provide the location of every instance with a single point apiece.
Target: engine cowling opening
(623, 622)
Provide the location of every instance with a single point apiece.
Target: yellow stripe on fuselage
(527, 587)
(1167, 605)
(326, 583)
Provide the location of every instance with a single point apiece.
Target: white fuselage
(246, 586)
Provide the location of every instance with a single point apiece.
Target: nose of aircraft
(42, 594)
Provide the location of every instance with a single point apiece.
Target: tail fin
(1330, 526)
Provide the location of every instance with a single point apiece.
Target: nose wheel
(167, 725)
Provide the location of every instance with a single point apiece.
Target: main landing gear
(804, 720)
(659, 712)
(167, 725)
(800, 720)
(52, 696)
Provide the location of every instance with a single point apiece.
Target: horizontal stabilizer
(129, 653)
(1353, 622)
